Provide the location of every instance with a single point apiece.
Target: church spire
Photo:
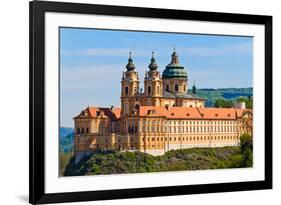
(152, 66)
(194, 89)
(130, 66)
(175, 57)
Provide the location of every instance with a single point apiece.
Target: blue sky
(92, 62)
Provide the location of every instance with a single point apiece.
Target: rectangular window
(149, 90)
(176, 87)
(126, 90)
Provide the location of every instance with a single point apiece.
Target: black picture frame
(37, 9)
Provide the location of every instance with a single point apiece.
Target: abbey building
(161, 117)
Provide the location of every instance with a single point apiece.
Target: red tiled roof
(172, 112)
(191, 112)
(218, 113)
(112, 114)
(108, 112)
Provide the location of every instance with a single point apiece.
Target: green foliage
(246, 149)
(223, 103)
(64, 159)
(113, 162)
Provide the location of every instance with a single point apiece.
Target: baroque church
(161, 117)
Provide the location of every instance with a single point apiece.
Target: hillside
(211, 95)
(64, 131)
(67, 143)
(112, 162)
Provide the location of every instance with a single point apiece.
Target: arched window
(183, 88)
(157, 89)
(167, 87)
(78, 130)
(149, 90)
(176, 87)
(126, 90)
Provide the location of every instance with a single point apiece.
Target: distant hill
(211, 95)
(66, 139)
(64, 131)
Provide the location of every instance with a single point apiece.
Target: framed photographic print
(140, 102)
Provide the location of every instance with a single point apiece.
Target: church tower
(153, 84)
(175, 77)
(129, 89)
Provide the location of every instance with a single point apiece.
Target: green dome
(174, 72)
(174, 69)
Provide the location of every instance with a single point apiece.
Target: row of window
(180, 138)
(203, 122)
(149, 90)
(82, 130)
(127, 90)
(190, 138)
(100, 129)
(176, 88)
(188, 146)
(195, 129)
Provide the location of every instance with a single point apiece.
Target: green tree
(223, 103)
(246, 149)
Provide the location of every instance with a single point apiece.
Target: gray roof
(167, 94)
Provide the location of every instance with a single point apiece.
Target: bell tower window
(167, 87)
(149, 90)
(183, 88)
(176, 87)
(126, 90)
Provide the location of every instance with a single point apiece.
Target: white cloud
(222, 50)
(108, 52)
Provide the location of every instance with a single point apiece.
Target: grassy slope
(175, 160)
